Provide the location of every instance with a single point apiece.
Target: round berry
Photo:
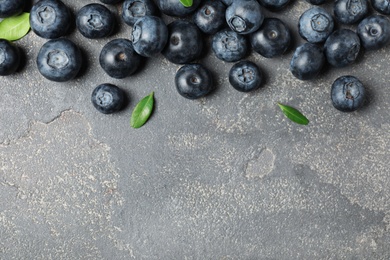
(274, 5)
(135, 9)
(374, 32)
(193, 81)
(210, 17)
(108, 98)
(244, 16)
(347, 93)
(350, 11)
(315, 25)
(307, 61)
(176, 8)
(10, 8)
(229, 46)
(9, 57)
(245, 76)
(381, 6)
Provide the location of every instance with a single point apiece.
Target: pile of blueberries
(236, 26)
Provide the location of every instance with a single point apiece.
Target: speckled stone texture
(223, 177)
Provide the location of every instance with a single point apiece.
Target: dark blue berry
(274, 5)
(193, 81)
(118, 58)
(210, 17)
(185, 42)
(59, 60)
(245, 76)
(50, 19)
(347, 93)
(227, 2)
(350, 11)
(149, 35)
(229, 46)
(132, 10)
(176, 8)
(108, 98)
(382, 6)
(244, 16)
(272, 39)
(307, 61)
(10, 8)
(315, 25)
(342, 47)
(9, 57)
(95, 21)
(374, 32)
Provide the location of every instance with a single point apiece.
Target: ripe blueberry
(210, 17)
(347, 93)
(315, 25)
(193, 81)
(135, 9)
(245, 76)
(244, 16)
(307, 61)
(350, 11)
(110, 2)
(108, 98)
(381, 6)
(274, 5)
(374, 32)
(9, 57)
(229, 46)
(11, 7)
(176, 8)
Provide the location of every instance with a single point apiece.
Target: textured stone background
(223, 177)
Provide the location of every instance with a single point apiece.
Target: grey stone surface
(223, 177)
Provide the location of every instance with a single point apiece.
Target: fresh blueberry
(374, 32)
(176, 8)
(244, 16)
(381, 6)
(307, 61)
(347, 93)
(59, 60)
(227, 2)
(272, 39)
(110, 2)
(10, 8)
(316, 2)
(229, 46)
(350, 11)
(108, 98)
(9, 57)
(50, 19)
(274, 5)
(245, 76)
(315, 25)
(135, 9)
(118, 58)
(342, 47)
(210, 17)
(149, 35)
(95, 21)
(185, 42)
(193, 81)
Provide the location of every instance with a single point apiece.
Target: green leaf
(294, 115)
(186, 3)
(15, 27)
(142, 111)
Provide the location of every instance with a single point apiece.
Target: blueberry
(342, 47)
(245, 76)
(210, 17)
(110, 2)
(108, 98)
(149, 35)
(229, 46)
(381, 6)
(315, 25)
(272, 39)
(347, 93)
(227, 2)
(307, 61)
(118, 58)
(274, 5)
(185, 42)
(316, 2)
(50, 19)
(95, 21)
(9, 57)
(59, 60)
(193, 81)
(135, 9)
(11, 7)
(374, 32)
(244, 16)
(350, 11)
(176, 8)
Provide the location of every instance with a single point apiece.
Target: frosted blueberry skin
(374, 32)
(350, 11)
(229, 46)
(9, 58)
(50, 19)
(10, 8)
(193, 81)
(245, 76)
(185, 42)
(59, 60)
(307, 61)
(135, 9)
(149, 36)
(381, 6)
(272, 39)
(342, 48)
(95, 21)
(108, 98)
(175, 8)
(315, 25)
(210, 17)
(348, 94)
(274, 5)
(244, 16)
(316, 2)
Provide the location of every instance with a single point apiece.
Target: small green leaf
(142, 111)
(186, 3)
(15, 27)
(294, 115)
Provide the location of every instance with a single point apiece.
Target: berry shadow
(22, 61)
(84, 64)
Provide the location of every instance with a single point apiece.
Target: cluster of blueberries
(235, 26)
